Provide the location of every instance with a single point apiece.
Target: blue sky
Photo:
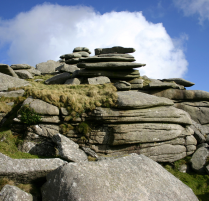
(171, 37)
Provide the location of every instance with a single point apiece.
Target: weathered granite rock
(183, 168)
(116, 55)
(6, 69)
(41, 107)
(190, 140)
(13, 193)
(98, 80)
(24, 74)
(20, 66)
(110, 65)
(27, 170)
(73, 81)
(190, 149)
(134, 177)
(155, 84)
(125, 74)
(83, 54)
(68, 149)
(90, 152)
(165, 153)
(68, 68)
(107, 59)
(115, 49)
(7, 81)
(136, 83)
(122, 86)
(162, 114)
(12, 93)
(198, 160)
(34, 71)
(180, 81)
(72, 61)
(81, 49)
(58, 79)
(138, 100)
(71, 56)
(47, 67)
(177, 94)
(50, 119)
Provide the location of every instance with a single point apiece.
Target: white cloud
(190, 7)
(48, 31)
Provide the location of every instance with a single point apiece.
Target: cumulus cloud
(48, 31)
(190, 7)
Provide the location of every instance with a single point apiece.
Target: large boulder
(6, 69)
(138, 100)
(58, 79)
(116, 49)
(7, 81)
(24, 74)
(20, 66)
(73, 81)
(134, 177)
(27, 170)
(47, 67)
(13, 193)
(34, 71)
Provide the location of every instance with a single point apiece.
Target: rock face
(5, 69)
(47, 67)
(12, 193)
(133, 177)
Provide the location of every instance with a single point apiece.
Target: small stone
(183, 168)
(122, 86)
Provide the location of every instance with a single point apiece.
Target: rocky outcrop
(133, 177)
(6, 69)
(48, 67)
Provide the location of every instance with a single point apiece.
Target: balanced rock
(47, 67)
(134, 177)
(116, 49)
(180, 81)
(6, 69)
(20, 66)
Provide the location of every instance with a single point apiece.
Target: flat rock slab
(166, 114)
(34, 71)
(68, 149)
(71, 56)
(116, 49)
(7, 81)
(6, 69)
(58, 79)
(155, 84)
(47, 67)
(110, 65)
(177, 94)
(134, 177)
(116, 55)
(81, 49)
(27, 170)
(24, 74)
(12, 93)
(125, 74)
(98, 80)
(20, 66)
(138, 100)
(68, 68)
(180, 81)
(13, 193)
(122, 86)
(107, 59)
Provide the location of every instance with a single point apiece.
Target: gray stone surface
(199, 132)
(107, 59)
(115, 49)
(13, 193)
(125, 74)
(183, 168)
(136, 81)
(41, 107)
(98, 80)
(180, 81)
(83, 54)
(116, 55)
(122, 86)
(112, 66)
(7, 81)
(68, 149)
(199, 158)
(50, 119)
(80, 49)
(20, 66)
(12, 93)
(90, 152)
(73, 81)
(177, 94)
(166, 114)
(34, 71)
(27, 170)
(72, 61)
(58, 79)
(6, 69)
(68, 68)
(156, 84)
(24, 74)
(134, 100)
(134, 177)
(71, 56)
(47, 67)
(190, 140)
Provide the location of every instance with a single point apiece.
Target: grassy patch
(198, 183)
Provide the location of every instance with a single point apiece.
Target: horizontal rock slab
(24, 74)
(165, 153)
(72, 61)
(116, 49)
(20, 66)
(27, 170)
(134, 177)
(177, 94)
(58, 79)
(70, 56)
(110, 65)
(107, 59)
(98, 80)
(47, 67)
(138, 100)
(12, 93)
(116, 55)
(122, 86)
(67, 68)
(180, 81)
(41, 107)
(12, 193)
(68, 149)
(125, 74)
(80, 49)
(164, 114)
(7, 81)
(155, 84)
(6, 69)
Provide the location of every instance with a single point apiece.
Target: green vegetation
(66, 127)
(198, 183)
